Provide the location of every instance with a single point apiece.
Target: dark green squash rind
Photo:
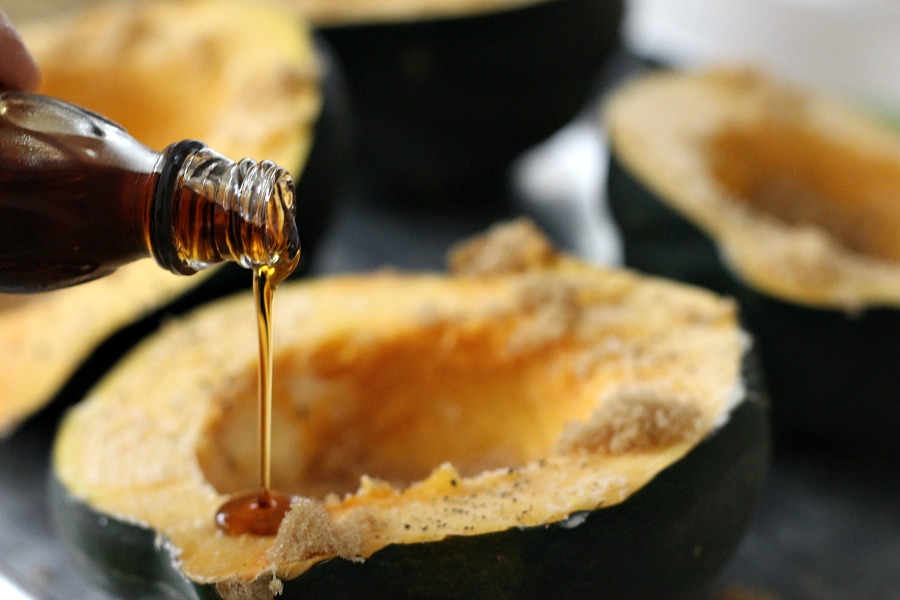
(831, 375)
(121, 557)
(444, 105)
(669, 539)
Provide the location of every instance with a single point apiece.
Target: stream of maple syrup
(260, 512)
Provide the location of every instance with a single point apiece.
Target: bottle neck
(207, 209)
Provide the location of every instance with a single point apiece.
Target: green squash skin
(121, 557)
(668, 540)
(443, 106)
(832, 376)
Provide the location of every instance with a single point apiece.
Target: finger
(18, 70)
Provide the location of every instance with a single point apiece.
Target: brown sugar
(258, 589)
(552, 309)
(510, 247)
(632, 420)
(308, 532)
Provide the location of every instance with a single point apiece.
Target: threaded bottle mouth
(258, 201)
(217, 210)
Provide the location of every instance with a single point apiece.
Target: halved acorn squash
(448, 93)
(165, 72)
(528, 426)
(786, 199)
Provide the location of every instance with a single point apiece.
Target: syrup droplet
(257, 513)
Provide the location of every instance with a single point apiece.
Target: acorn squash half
(528, 426)
(787, 200)
(447, 93)
(164, 76)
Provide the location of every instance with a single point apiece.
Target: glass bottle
(79, 197)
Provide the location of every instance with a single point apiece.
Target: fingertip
(18, 69)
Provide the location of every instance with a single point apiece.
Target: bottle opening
(217, 210)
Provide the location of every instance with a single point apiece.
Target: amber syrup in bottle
(79, 198)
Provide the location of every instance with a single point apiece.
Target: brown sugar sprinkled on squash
(513, 248)
(308, 532)
(634, 420)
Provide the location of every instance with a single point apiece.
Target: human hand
(18, 70)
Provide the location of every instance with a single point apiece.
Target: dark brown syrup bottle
(79, 198)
